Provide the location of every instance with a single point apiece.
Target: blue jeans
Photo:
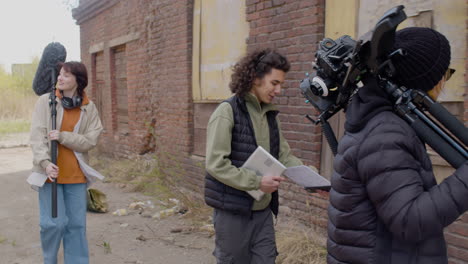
(70, 224)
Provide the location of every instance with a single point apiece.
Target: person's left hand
(54, 135)
(52, 171)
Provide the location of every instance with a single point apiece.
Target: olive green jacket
(218, 147)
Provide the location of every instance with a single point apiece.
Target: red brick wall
(120, 19)
(171, 50)
(457, 240)
(159, 80)
(293, 28)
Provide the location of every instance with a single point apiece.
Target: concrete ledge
(96, 48)
(124, 39)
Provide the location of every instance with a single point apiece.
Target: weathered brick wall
(171, 58)
(457, 240)
(106, 31)
(158, 59)
(159, 81)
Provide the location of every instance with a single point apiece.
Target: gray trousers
(244, 240)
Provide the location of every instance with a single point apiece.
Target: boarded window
(219, 40)
(119, 84)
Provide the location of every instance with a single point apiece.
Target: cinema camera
(343, 65)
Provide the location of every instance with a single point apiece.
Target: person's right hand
(54, 135)
(52, 171)
(270, 184)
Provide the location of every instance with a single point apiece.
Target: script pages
(307, 178)
(264, 164)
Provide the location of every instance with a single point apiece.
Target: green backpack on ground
(96, 201)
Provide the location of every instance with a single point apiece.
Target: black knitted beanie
(427, 57)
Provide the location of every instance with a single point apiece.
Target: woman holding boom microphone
(78, 130)
(385, 203)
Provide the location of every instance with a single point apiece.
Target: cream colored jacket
(81, 140)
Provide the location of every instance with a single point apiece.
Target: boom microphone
(44, 82)
(46, 74)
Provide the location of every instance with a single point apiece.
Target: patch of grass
(107, 247)
(143, 174)
(300, 246)
(14, 126)
(16, 105)
(2, 239)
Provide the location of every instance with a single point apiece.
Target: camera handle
(448, 148)
(328, 132)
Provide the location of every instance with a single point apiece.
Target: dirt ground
(134, 238)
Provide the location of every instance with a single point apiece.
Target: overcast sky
(27, 26)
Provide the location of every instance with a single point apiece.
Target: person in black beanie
(385, 203)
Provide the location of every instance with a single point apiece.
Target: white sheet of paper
(264, 164)
(37, 179)
(306, 177)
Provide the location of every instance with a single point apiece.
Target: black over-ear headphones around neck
(71, 102)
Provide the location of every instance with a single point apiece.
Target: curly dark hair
(255, 65)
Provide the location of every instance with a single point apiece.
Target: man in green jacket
(244, 226)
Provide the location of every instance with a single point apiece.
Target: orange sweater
(69, 169)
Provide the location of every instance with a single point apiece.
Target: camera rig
(343, 65)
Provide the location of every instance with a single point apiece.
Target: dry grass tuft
(143, 174)
(300, 246)
(139, 172)
(198, 212)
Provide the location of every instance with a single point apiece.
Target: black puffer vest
(243, 144)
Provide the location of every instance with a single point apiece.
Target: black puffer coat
(385, 204)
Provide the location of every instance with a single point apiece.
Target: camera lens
(319, 86)
(316, 89)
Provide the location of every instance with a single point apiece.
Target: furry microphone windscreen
(47, 70)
